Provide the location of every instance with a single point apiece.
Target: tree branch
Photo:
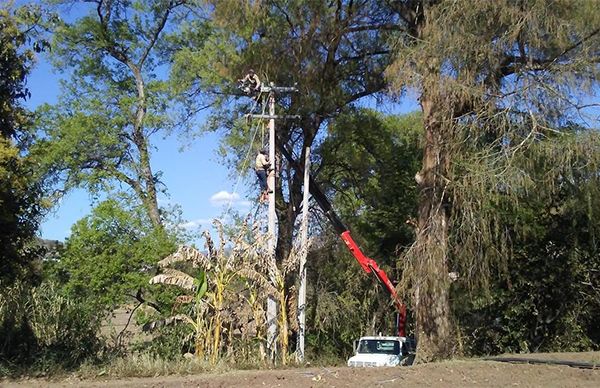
(376, 27)
(287, 17)
(370, 89)
(513, 64)
(364, 55)
(157, 31)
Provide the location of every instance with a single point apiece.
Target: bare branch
(376, 27)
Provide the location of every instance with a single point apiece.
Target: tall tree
(19, 193)
(496, 75)
(335, 52)
(100, 131)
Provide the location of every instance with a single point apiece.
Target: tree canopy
(110, 255)
(99, 134)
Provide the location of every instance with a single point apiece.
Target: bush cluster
(42, 331)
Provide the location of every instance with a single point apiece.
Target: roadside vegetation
(494, 180)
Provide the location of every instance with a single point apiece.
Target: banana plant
(195, 286)
(234, 260)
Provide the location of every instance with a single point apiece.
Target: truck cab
(377, 351)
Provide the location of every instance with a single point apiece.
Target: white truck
(377, 351)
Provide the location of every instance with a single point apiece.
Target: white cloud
(194, 224)
(226, 198)
(223, 197)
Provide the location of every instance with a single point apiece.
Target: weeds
(148, 365)
(42, 332)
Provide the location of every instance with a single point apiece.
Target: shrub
(42, 330)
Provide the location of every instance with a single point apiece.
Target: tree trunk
(432, 305)
(145, 183)
(287, 212)
(149, 198)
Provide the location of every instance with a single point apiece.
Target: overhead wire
(245, 162)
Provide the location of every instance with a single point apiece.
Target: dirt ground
(456, 373)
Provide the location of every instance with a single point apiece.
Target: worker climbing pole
(272, 92)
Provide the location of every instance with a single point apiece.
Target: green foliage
(44, 331)
(209, 301)
(20, 192)
(20, 212)
(15, 64)
(99, 133)
(513, 183)
(334, 52)
(111, 254)
(168, 342)
(368, 162)
(172, 339)
(341, 303)
(472, 48)
(546, 305)
(310, 43)
(547, 296)
(492, 78)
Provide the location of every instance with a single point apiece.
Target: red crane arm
(368, 265)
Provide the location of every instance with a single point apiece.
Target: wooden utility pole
(303, 254)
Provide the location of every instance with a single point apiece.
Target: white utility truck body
(377, 351)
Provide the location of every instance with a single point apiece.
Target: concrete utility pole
(304, 253)
(271, 301)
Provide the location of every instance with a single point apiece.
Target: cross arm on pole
(274, 117)
(279, 89)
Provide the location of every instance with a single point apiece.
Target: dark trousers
(262, 179)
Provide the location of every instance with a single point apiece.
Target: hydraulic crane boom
(368, 265)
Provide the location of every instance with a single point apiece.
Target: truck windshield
(379, 346)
